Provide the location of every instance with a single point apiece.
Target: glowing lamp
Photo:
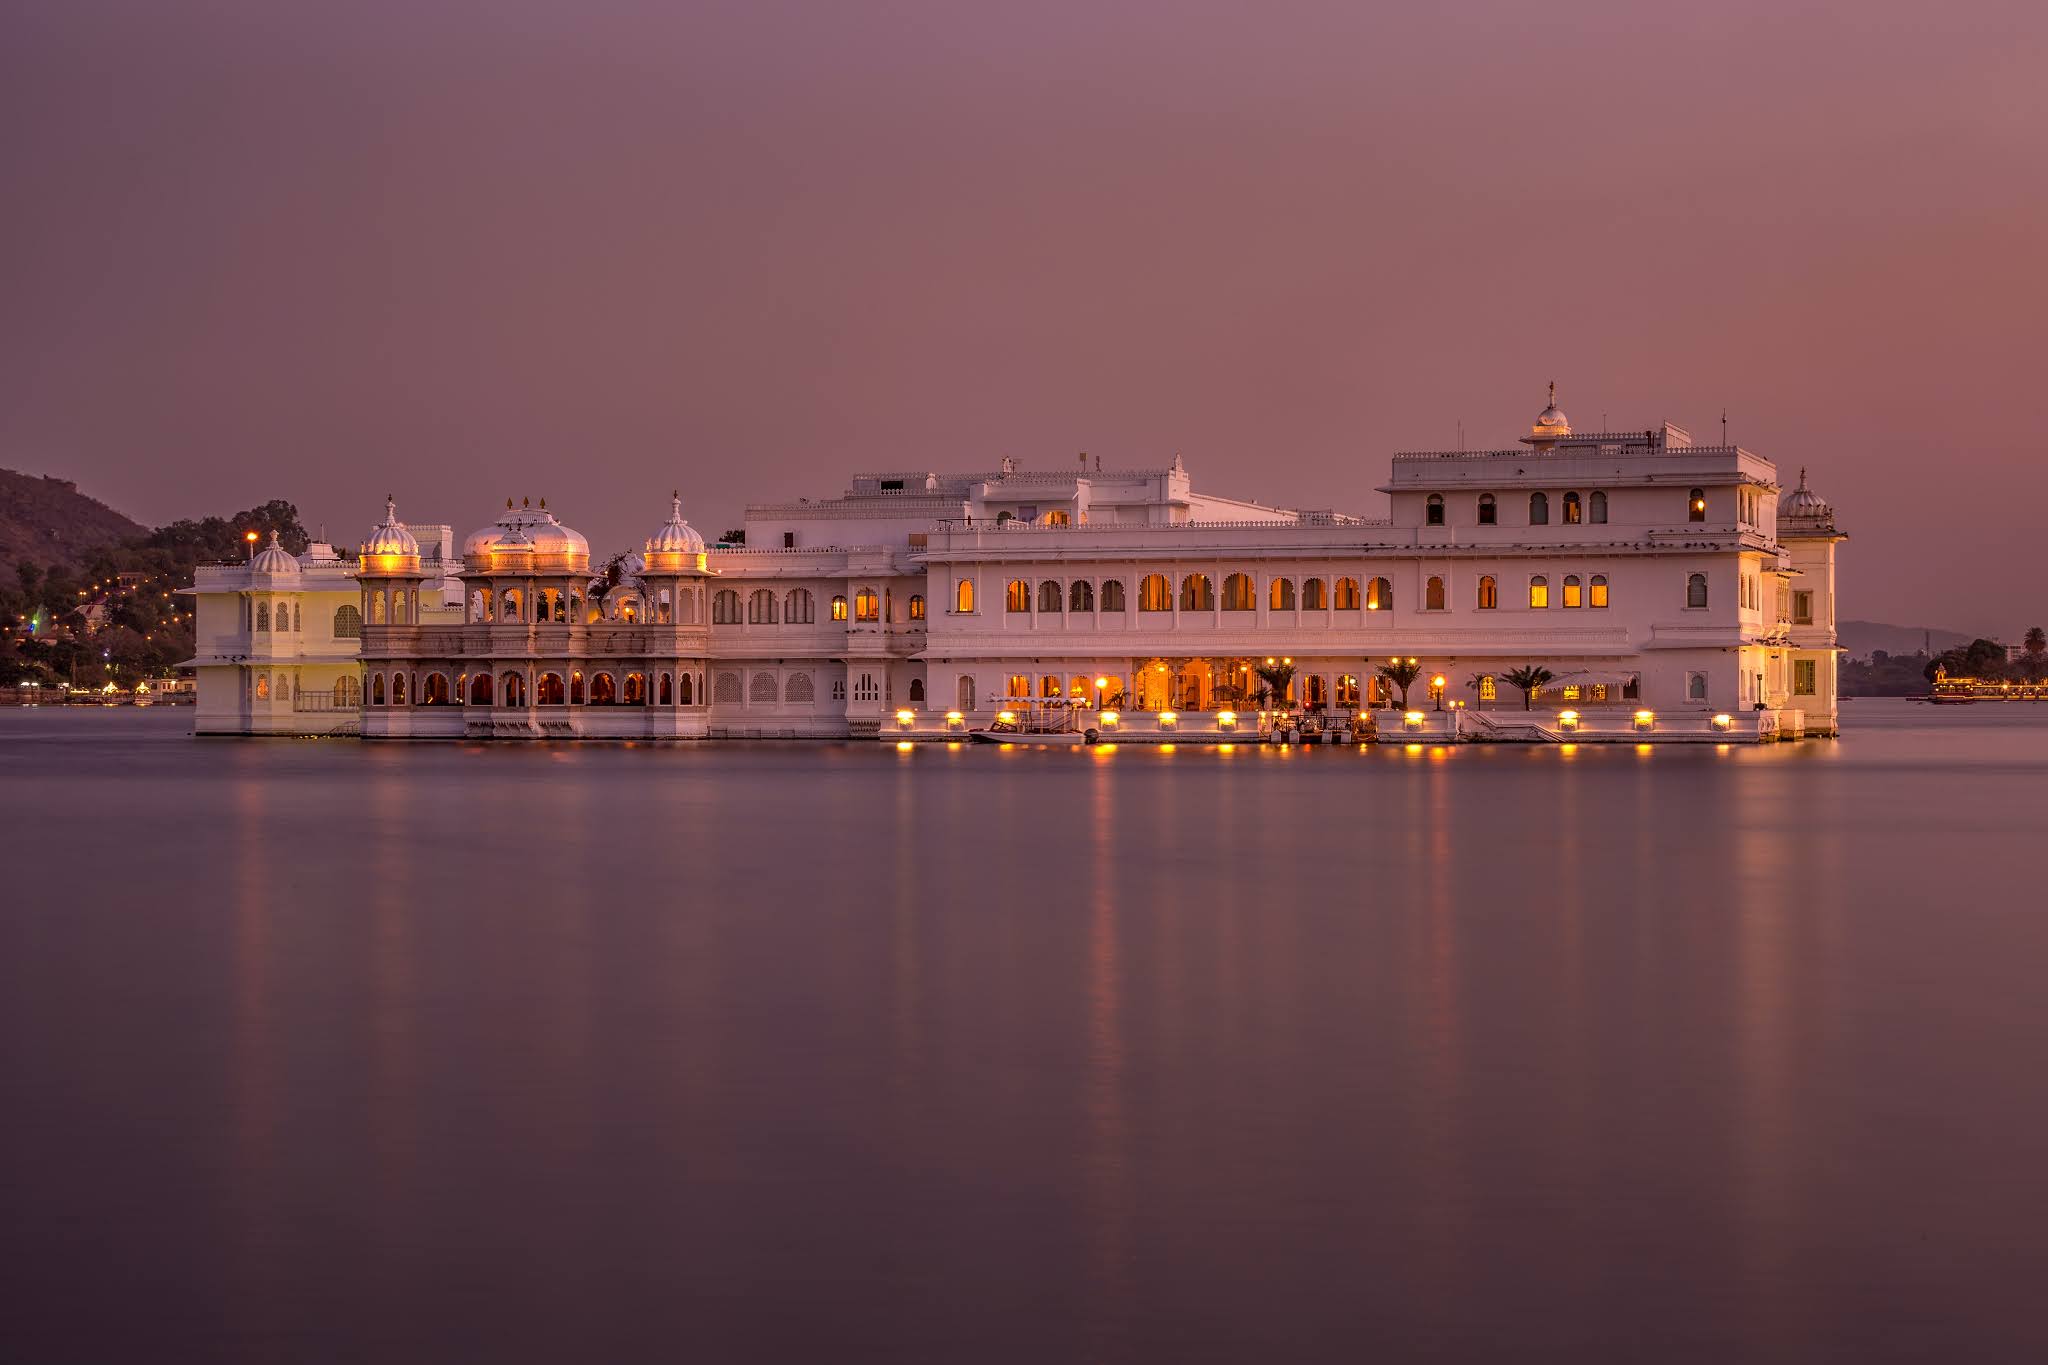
(954, 720)
(1109, 720)
(906, 718)
(1645, 720)
(1006, 717)
(1567, 720)
(1168, 719)
(1101, 682)
(1413, 720)
(1226, 720)
(1724, 721)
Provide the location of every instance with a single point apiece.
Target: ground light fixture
(1108, 719)
(1724, 721)
(1646, 720)
(1567, 720)
(1226, 720)
(1413, 720)
(954, 720)
(906, 719)
(1168, 719)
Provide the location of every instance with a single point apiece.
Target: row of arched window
(1573, 508)
(1197, 593)
(259, 616)
(549, 689)
(799, 608)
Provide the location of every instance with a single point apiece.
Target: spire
(1553, 393)
(273, 539)
(675, 505)
(390, 510)
(1802, 476)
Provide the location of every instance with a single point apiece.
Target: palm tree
(1476, 684)
(1528, 678)
(2037, 640)
(1275, 676)
(1402, 673)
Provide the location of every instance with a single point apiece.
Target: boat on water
(1034, 720)
(1951, 699)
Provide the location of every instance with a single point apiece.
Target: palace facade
(1669, 588)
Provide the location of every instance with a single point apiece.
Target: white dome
(1552, 421)
(1552, 417)
(275, 560)
(1803, 502)
(527, 530)
(388, 537)
(675, 536)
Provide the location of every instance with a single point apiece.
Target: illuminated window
(1057, 517)
(1696, 590)
(1489, 690)
(1344, 594)
(725, 608)
(576, 688)
(636, 690)
(263, 687)
(1489, 592)
(1574, 592)
(1539, 591)
(1433, 510)
(1804, 677)
(867, 605)
(1433, 594)
(1155, 593)
(1113, 594)
(1280, 595)
(347, 691)
(1596, 508)
(1599, 592)
(1238, 593)
(1196, 594)
(480, 690)
(1018, 598)
(1081, 595)
(1049, 686)
(1020, 685)
(1347, 689)
(1574, 513)
(963, 595)
(397, 688)
(761, 607)
(799, 608)
(1489, 511)
(1379, 595)
(917, 606)
(1049, 596)
(1314, 595)
(549, 693)
(1539, 509)
(435, 690)
(1696, 505)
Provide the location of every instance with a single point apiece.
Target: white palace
(1672, 590)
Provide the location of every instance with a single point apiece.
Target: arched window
(664, 608)
(603, 691)
(1081, 595)
(377, 608)
(435, 692)
(1695, 687)
(263, 687)
(1696, 505)
(838, 607)
(1379, 595)
(284, 687)
(1574, 513)
(799, 689)
(1489, 511)
(376, 689)
(683, 689)
(1280, 597)
(513, 689)
(1347, 689)
(963, 693)
(283, 616)
(1345, 595)
(1574, 594)
(298, 623)
(668, 690)
(397, 688)
(1489, 592)
(1539, 509)
(1112, 594)
(867, 605)
(1489, 690)
(1238, 594)
(348, 692)
(1433, 510)
(550, 692)
(513, 608)
(865, 689)
(1598, 597)
(725, 608)
(797, 608)
(1696, 590)
(480, 690)
(1315, 595)
(1017, 597)
(1057, 517)
(917, 690)
(399, 614)
(1433, 594)
(1539, 591)
(1155, 593)
(576, 688)
(1049, 596)
(263, 622)
(917, 606)
(761, 607)
(761, 689)
(635, 693)
(1596, 508)
(727, 689)
(1196, 594)
(963, 595)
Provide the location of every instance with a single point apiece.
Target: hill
(1859, 638)
(49, 522)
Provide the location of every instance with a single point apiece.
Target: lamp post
(1436, 691)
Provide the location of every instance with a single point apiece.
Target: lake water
(322, 1051)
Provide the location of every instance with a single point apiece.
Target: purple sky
(592, 250)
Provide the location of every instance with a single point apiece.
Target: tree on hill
(1979, 659)
(2037, 640)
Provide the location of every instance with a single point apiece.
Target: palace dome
(675, 536)
(1805, 504)
(388, 537)
(527, 530)
(274, 560)
(1552, 421)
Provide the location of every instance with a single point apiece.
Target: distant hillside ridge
(1859, 638)
(48, 521)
